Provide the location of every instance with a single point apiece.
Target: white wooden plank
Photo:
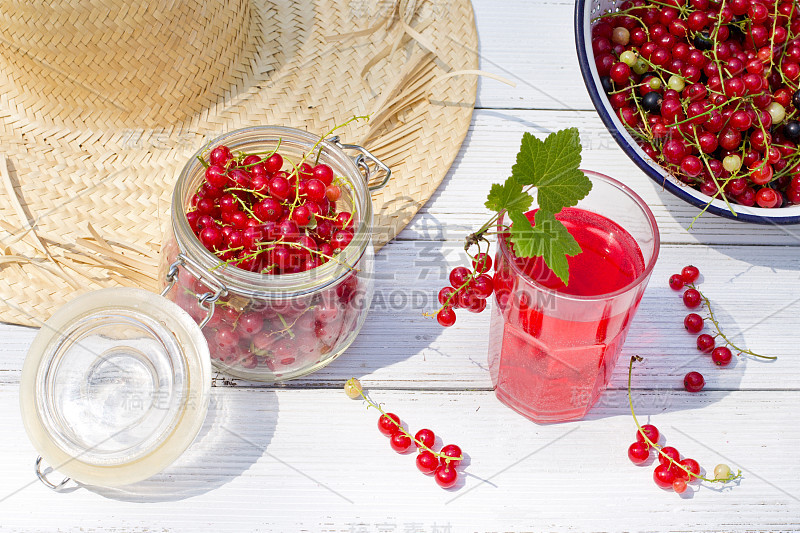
(314, 461)
(540, 59)
(489, 152)
(756, 291)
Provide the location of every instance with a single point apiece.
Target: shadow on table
(669, 354)
(236, 432)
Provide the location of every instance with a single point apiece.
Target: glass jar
(266, 327)
(116, 383)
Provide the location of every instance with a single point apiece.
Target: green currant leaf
(548, 239)
(552, 167)
(508, 196)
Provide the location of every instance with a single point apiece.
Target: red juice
(553, 346)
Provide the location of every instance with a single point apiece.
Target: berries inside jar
(710, 92)
(274, 214)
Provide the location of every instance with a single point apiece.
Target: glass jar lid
(115, 386)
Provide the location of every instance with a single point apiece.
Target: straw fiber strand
(103, 102)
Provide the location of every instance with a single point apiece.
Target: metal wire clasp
(361, 161)
(43, 478)
(206, 300)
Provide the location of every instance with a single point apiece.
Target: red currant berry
(344, 220)
(389, 424)
(676, 282)
(447, 294)
(482, 263)
(306, 171)
(341, 239)
(477, 306)
(671, 453)
(691, 298)
(279, 188)
(690, 274)
(679, 486)
(333, 193)
(459, 276)
(226, 339)
(446, 476)
(211, 238)
(638, 453)
(663, 476)
(721, 356)
(768, 198)
(426, 437)
(268, 210)
(693, 323)
(220, 155)
(652, 433)
(692, 466)
(705, 343)
(400, 442)
(273, 163)
(216, 176)
(323, 173)
(250, 323)
(301, 215)
(427, 463)
(315, 190)
(694, 382)
(446, 317)
(620, 73)
(483, 286)
(449, 451)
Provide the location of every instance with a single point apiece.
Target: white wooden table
(303, 457)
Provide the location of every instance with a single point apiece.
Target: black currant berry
(608, 85)
(796, 99)
(703, 41)
(792, 129)
(651, 102)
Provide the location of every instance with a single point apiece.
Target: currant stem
(731, 476)
(322, 138)
(419, 444)
(714, 321)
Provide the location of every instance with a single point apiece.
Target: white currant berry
(732, 163)
(777, 112)
(722, 471)
(676, 83)
(353, 388)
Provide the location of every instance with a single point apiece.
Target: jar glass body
(268, 327)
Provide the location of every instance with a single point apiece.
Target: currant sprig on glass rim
(550, 167)
(672, 472)
(442, 464)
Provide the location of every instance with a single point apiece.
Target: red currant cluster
(671, 472)
(442, 464)
(694, 323)
(468, 289)
(263, 215)
(668, 473)
(710, 91)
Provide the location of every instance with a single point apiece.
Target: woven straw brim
(88, 180)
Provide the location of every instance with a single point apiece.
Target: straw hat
(103, 101)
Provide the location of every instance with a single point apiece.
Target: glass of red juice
(553, 346)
